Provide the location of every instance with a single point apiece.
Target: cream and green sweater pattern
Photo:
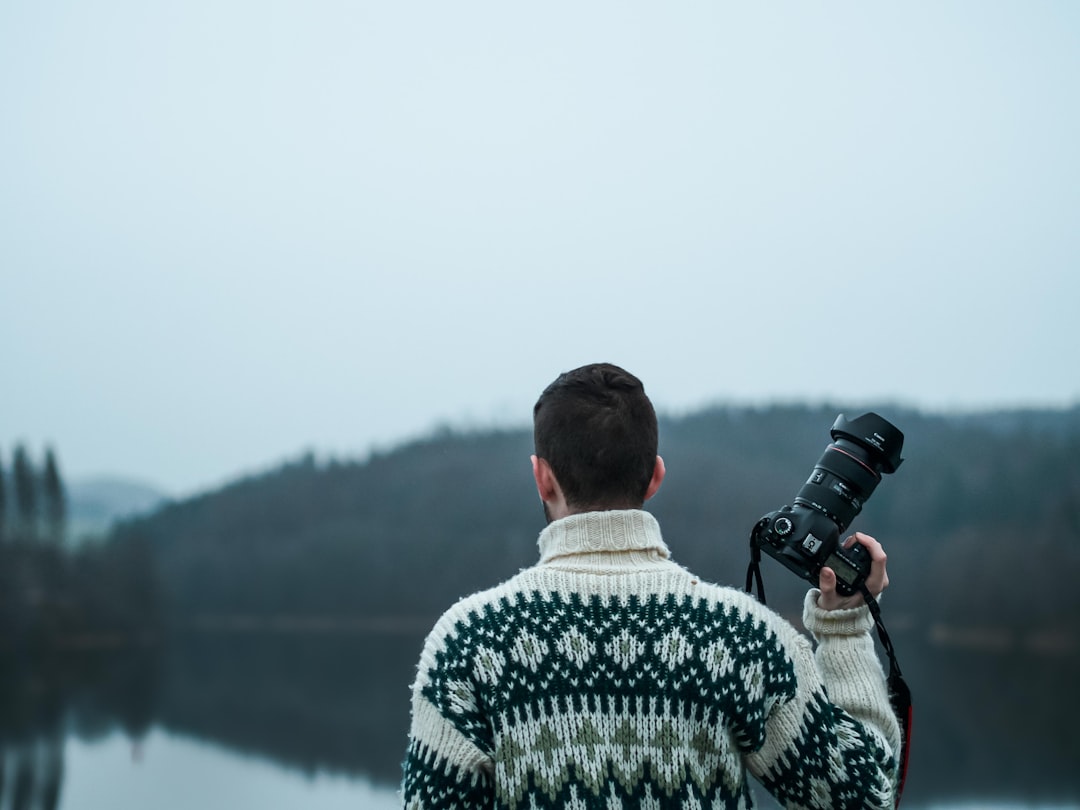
(607, 676)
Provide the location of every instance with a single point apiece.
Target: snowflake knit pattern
(607, 676)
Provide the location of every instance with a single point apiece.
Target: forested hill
(982, 521)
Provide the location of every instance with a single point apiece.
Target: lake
(319, 720)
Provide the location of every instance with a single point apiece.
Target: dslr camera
(805, 537)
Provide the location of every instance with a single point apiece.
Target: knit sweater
(607, 676)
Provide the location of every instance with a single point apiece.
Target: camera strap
(899, 693)
(753, 573)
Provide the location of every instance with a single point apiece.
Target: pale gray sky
(230, 231)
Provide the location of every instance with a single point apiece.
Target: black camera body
(805, 537)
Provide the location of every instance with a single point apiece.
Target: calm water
(157, 772)
(278, 721)
(169, 772)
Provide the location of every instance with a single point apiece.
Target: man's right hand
(876, 581)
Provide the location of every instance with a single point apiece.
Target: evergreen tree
(3, 503)
(26, 495)
(54, 504)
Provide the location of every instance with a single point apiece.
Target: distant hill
(94, 504)
(982, 521)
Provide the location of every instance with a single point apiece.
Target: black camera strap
(753, 573)
(899, 693)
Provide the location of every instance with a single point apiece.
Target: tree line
(982, 502)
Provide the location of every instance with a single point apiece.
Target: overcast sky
(231, 231)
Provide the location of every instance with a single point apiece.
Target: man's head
(595, 431)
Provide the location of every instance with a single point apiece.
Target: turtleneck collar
(602, 538)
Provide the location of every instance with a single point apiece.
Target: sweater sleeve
(836, 743)
(448, 764)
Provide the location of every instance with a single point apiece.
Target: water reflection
(315, 706)
(43, 697)
(31, 773)
(170, 772)
(327, 714)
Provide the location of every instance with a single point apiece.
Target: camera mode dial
(783, 526)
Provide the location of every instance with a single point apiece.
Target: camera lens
(850, 468)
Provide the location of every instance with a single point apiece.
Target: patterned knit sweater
(607, 676)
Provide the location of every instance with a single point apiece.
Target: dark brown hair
(597, 429)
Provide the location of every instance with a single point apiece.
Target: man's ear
(545, 479)
(658, 473)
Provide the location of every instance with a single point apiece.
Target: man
(607, 676)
